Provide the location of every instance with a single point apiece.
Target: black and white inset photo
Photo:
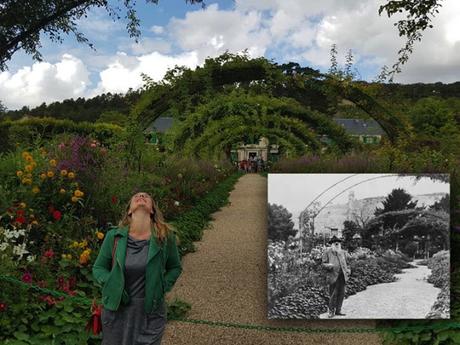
(358, 246)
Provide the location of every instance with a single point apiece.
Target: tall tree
(397, 200)
(21, 22)
(280, 225)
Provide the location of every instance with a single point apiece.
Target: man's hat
(335, 239)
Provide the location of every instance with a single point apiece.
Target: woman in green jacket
(137, 264)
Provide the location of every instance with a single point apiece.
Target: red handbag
(95, 323)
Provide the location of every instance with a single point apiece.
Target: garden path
(226, 280)
(410, 297)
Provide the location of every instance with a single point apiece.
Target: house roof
(360, 126)
(161, 124)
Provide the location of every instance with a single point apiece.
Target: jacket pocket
(108, 317)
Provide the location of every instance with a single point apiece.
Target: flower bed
(439, 264)
(57, 203)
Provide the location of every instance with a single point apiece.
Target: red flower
(72, 282)
(49, 254)
(27, 277)
(20, 213)
(57, 215)
(20, 220)
(3, 307)
(114, 199)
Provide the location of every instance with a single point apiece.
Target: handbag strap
(113, 249)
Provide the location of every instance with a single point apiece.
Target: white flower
(3, 246)
(176, 203)
(31, 258)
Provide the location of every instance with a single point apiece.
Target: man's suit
(336, 277)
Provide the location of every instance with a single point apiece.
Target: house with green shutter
(367, 131)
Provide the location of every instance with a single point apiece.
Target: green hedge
(191, 224)
(25, 131)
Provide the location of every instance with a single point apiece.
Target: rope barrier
(87, 301)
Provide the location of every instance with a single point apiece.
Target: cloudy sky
(175, 33)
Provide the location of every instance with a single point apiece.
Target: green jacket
(163, 269)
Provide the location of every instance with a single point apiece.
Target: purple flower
(27, 277)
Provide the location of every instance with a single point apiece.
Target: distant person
(334, 260)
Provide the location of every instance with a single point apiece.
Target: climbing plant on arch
(235, 85)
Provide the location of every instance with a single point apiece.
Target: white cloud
(44, 82)
(211, 32)
(156, 29)
(125, 71)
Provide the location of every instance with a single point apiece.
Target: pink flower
(49, 254)
(114, 199)
(3, 307)
(27, 277)
(57, 215)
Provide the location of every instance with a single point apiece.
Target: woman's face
(141, 200)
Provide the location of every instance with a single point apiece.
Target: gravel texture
(226, 280)
(410, 297)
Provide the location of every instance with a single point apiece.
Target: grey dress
(130, 324)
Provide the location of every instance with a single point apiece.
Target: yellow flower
(29, 159)
(34, 165)
(78, 193)
(63, 172)
(25, 154)
(28, 175)
(19, 173)
(74, 199)
(42, 176)
(29, 168)
(62, 191)
(69, 257)
(100, 235)
(22, 205)
(84, 258)
(53, 162)
(50, 174)
(26, 181)
(71, 175)
(74, 244)
(83, 244)
(35, 190)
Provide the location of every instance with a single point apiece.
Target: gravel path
(410, 297)
(226, 280)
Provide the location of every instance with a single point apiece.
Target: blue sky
(174, 32)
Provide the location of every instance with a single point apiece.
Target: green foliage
(190, 225)
(25, 132)
(280, 224)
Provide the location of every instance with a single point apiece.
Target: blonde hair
(159, 228)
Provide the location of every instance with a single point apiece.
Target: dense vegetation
(230, 99)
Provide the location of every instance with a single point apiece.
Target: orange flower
(100, 235)
(63, 172)
(78, 193)
(22, 205)
(35, 190)
(29, 159)
(19, 173)
(71, 175)
(50, 174)
(53, 162)
(42, 176)
(74, 199)
(29, 168)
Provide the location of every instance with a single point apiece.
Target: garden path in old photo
(225, 280)
(410, 297)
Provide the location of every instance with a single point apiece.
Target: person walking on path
(137, 264)
(334, 260)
